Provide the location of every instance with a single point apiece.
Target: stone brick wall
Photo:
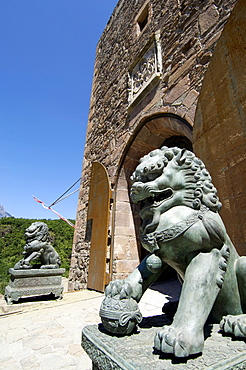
(185, 33)
(220, 124)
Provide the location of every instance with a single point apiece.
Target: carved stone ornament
(119, 316)
(32, 280)
(146, 71)
(181, 227)
(30, 283)
(152, 239)
(38, 247)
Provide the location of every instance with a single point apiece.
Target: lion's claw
(172, 340)
(235, 325)
(168, 339)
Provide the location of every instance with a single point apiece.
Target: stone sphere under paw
(120, 316)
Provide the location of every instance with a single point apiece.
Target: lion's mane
(198, 182)
(37, 231)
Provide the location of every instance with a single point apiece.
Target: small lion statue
(181, 227)
(38, 246)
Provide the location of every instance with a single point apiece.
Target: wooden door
(97, 222)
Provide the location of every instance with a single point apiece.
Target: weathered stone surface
(188, 32)
(208, 19)
(34, 282)
(136, 352)
(219, 130)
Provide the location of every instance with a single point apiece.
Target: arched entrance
(152, 133)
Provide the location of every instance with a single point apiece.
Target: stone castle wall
(141, 72)
(220, 124)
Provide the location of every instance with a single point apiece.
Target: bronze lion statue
(181, 227)
(38, 247)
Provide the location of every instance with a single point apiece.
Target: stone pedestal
(135, 352)
(33, 283)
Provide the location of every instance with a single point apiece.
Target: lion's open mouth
(157, 198)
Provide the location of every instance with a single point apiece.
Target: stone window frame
(145, 71)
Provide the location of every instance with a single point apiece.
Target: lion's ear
(181, 157)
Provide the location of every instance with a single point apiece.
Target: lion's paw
(119, 288)
(235, 325)
(181, 343)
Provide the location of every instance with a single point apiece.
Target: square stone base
(135, 352)
(33, 283)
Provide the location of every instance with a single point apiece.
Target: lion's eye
(165, 161)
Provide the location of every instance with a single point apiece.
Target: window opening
(143, 18)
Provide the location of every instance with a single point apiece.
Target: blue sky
(47, 52)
